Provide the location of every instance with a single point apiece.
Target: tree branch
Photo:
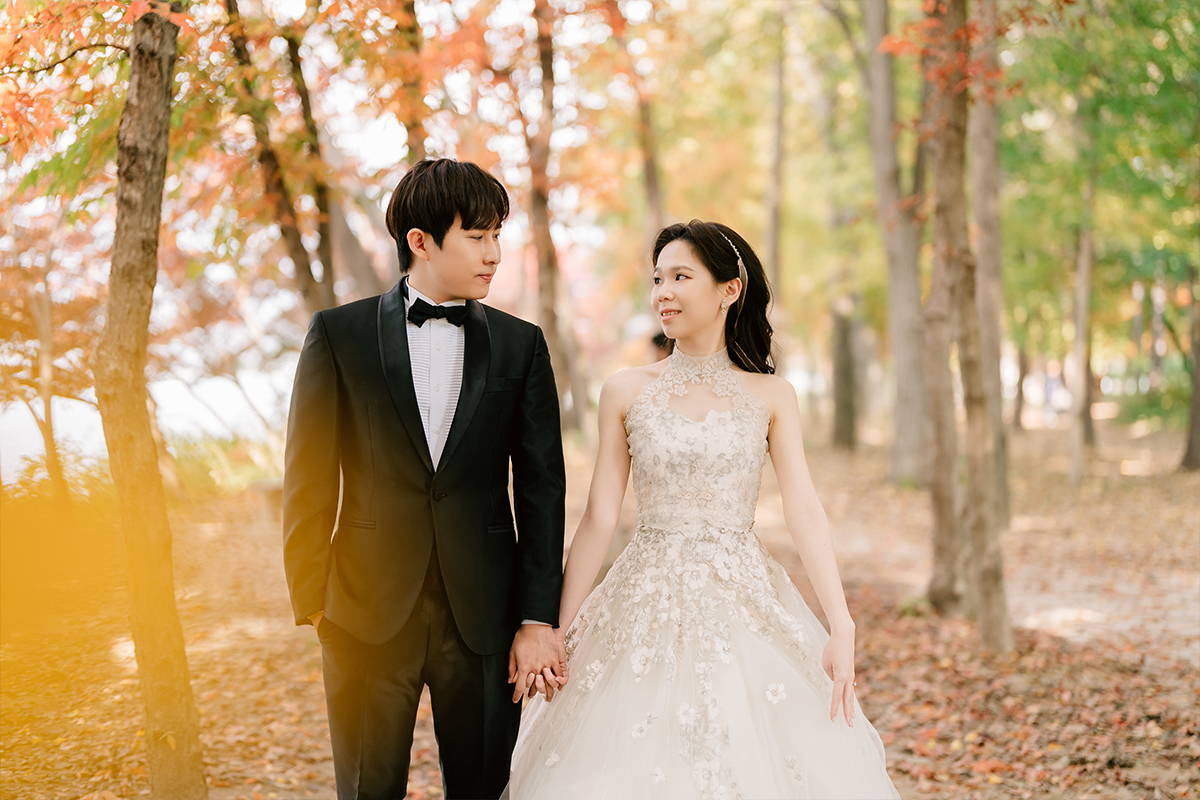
(834, 7)
(1178, 342)
(68, 56)
(312, 141)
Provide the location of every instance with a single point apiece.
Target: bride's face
(685, 296)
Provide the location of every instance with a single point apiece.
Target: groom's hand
(534, 663)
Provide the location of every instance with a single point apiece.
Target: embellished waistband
(693, 528)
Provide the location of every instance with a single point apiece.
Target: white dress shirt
(435, 351)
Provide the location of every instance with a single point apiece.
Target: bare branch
(68, 56)
(834, 7)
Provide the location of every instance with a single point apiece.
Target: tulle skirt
(695, 674)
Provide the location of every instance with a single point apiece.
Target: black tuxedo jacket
(354, 425)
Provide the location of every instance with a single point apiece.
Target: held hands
(838, 662)
(537, 662)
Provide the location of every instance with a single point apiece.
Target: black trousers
(372, 693)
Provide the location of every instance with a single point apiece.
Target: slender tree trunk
(655, 218)
(943, 590)
(317, 294)
(775, 192)
(985, 180)
(1138, 324)
(952, 247)
(647, 141)
(39, 304)
(172, 730)
(415, 110)
(1022, 372)
(317, 168)
(1191, 456)
(845, 426)
(901, 240)
(1158, 307)
(539, 219)
(1089, 398)
(1081, 350)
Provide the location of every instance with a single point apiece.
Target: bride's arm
(809, 527)
(595, 531)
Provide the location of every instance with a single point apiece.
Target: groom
(399, 542)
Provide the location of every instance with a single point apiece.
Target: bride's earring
(724, 306)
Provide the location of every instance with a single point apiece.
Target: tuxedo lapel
(477, 358)
(397, 368)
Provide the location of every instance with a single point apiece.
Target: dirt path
(1113, 568)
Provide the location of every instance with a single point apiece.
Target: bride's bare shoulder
(623, 386)
(774, 391)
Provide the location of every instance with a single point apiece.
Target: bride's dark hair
(747, 329)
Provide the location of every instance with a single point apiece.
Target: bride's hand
(838, 662)
(564, 671)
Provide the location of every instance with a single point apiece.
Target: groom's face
(461, 268)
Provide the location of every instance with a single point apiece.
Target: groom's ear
(419, 243)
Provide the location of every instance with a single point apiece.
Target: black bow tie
(421, 311)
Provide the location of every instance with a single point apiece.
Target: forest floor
(1101, 699)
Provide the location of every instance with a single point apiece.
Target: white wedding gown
(695, 664)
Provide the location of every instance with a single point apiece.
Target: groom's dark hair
(432, 193)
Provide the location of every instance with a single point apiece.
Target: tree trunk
(317, 294)
(647, 141)
(415, 110)
(1191, 456)
(317, 169)
(845, 427)
(1089, 397)
(655, 216)
(39, 304)
(901, 241)
(1083, 295)
(1158, 345)
(943, 591)
(539, 223)
(775, 192)
(985, 180)
(172, 731)
(952, 248)
(1022, 372)
(1138, 324)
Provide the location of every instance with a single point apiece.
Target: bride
(697, 670)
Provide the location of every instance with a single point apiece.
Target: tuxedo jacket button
(438, 495)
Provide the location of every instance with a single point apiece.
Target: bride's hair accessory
(741, 266)
(742, 276)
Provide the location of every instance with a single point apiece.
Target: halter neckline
(700, 365)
